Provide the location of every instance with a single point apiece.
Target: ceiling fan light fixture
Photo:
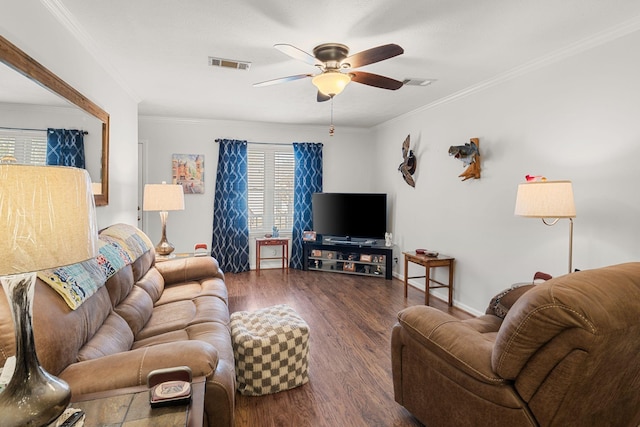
(331, 83)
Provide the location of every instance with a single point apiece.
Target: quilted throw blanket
(118, 246)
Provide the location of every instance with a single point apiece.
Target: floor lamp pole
(570, 244)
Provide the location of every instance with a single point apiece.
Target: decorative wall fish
(408, 165)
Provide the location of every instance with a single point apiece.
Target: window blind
(270, 182)
(25, 146)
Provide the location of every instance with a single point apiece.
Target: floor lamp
(164, 198)
(48, 221)
(548, 200)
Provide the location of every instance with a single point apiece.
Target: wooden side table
(273, 241)
(130, 406)
(429, 263)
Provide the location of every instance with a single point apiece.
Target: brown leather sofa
(567, 353)
(149, 315)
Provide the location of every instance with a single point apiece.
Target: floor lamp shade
(163, 197)
(548, 200)
(48, 221)
(545, 199)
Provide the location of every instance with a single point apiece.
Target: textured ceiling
(158, 49)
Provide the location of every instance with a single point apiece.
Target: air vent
(417, 82)
(229, 63)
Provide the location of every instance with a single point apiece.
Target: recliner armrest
(130, 368)
(463, 344)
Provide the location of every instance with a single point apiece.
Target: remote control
(73, 419)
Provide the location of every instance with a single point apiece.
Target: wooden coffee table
(130, 407)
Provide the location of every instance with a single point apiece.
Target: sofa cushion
(179, 315)
(136, 309)
(114, 336)
(502, 303)
(119, 285)
(152, 283)
(194, 288)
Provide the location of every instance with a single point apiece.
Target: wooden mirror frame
(32, 69)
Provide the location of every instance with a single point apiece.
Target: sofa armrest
(180, 270)
(461, 343)
(131, 368)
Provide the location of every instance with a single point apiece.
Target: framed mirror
(22, 63)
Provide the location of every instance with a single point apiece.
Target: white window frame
(261, 223)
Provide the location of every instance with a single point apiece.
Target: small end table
(130, 406)
(429, 263)
(273, 241)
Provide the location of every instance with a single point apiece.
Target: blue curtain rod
(264, 143)
(84, 132)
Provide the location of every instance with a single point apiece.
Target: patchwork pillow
(502, 303)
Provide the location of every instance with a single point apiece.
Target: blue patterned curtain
(308, 180)
(65, 147)
(230, 242)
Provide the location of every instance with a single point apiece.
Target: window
(270, 181)
(25, 146)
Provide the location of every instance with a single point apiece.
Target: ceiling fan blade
(375, 54)
(282, 80)
(296, 53)
(375, 80)
(322, 97)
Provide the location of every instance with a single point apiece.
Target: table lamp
(548, 200)
(164, 198)
(48, 221)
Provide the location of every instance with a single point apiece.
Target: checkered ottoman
(271, 348)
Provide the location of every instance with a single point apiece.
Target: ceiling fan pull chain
(332, 128)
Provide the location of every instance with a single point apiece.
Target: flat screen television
(359, 215)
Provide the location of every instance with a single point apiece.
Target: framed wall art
(188, 171)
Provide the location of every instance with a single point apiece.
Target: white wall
(31, 27)
(575, 119)
(348, 165)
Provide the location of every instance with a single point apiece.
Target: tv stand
(364, 257)
(349, 241)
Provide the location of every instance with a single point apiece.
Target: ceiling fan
(331, 59)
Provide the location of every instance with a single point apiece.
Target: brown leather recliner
(567, 353)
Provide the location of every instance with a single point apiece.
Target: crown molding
(68, 21)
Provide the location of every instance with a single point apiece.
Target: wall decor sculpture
(469, 153)
(408, 165)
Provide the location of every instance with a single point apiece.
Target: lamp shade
(545, 199)
(331, 83)
(163, 197)
(48, 218)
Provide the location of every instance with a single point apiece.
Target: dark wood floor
(350, 319)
